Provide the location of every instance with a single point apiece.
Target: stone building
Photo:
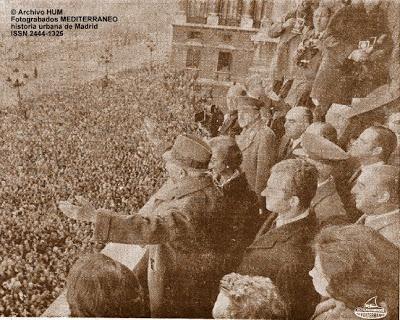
(225, 41)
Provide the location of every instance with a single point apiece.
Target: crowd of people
(291, 209)
(73, 144)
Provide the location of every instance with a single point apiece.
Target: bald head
(297, 121)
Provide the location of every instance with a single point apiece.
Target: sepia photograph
(200, 159)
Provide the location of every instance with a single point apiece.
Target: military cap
(319, 148)
(189, 151)
(249, 103)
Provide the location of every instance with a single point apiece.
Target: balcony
(223, 76)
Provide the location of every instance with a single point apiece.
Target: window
(194, 35)
(224, 62)
(193, 58)
(227, 38)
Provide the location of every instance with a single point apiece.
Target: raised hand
(85, 211)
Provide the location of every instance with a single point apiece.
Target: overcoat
(332, 309)
(258, 146)
(241, 220)
(328, 205)
(305, 72)
(386, 225)
(283, 62)
(284, 255)
(334, 82)
(178, 226)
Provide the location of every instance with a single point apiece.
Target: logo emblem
(370, 310)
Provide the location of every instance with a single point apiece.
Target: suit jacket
(284, 255)
(386, 225)
(286, 148)
(328, 206)
(394, 159)
(177, 224)
(332, 309)
(258, 146)
(241, 220)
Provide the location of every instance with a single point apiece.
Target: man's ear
(294, 201)
(377, 151)
(384, 197)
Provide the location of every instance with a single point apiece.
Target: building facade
(224, 41)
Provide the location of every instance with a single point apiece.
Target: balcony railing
(223, 75)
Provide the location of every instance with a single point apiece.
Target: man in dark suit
(296, 123)
(257, 143)
(281, 249)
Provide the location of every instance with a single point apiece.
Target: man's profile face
(367, 192)
(296, 123)
(217, 161)
(173, 170)
(364, 145)
(277, 192)
(247, 117)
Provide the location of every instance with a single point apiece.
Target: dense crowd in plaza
(78, 143)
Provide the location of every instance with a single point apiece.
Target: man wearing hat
(257, 143)
(178, 225)
(377, 196)
(324, 155)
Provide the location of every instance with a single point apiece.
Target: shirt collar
(296, 142)
(222, 184)
(324, 182)
(281, 222)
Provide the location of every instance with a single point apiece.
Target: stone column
(212, 18)
(257, 12)
(247, 19)
(266, 14)
(180, 16)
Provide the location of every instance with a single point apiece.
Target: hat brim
(300, 152)
(167, 157)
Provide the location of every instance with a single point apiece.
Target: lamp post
(105, 59)
(16, 81)
(151, 46)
